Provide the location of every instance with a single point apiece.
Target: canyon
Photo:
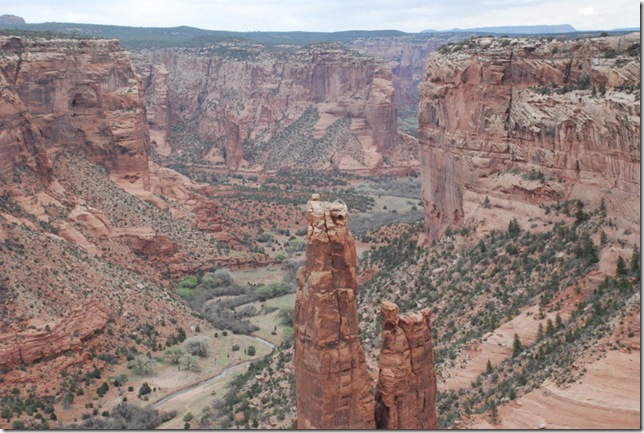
(257, 108)
(124, 174)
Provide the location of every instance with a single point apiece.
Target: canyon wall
(565, 109)
(406, 56)
(333, 387)
(272, 107)
(74, 95)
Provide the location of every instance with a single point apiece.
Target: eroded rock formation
(333, 387)
(568, 109)
(332, 382)
(28, 347)
(71, 94)
(406, 396)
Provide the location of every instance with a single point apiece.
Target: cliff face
(249, 104)
(333, 387)
(406, 57)
(63, 94)
(566, 109)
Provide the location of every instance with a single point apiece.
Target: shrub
(197, 345)
(102, 389)
(145, 389)
(189, 281)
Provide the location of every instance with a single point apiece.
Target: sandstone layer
(567, 109)
(278, 107)
(75, 95)
(332, 383)
(406, 396)
(24, 348)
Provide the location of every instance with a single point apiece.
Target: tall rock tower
(333, 387)
(332, 383)
(406, 397)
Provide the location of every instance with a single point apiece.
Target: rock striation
(333, 387)
(406, 393)
(569, 109)
(24, 348)
(74, 95)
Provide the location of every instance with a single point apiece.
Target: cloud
(332, 15)
(587, 11)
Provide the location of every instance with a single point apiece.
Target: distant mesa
(11, 19)
(558, 28)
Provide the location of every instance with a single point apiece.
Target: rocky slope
(248, 105)
(564, 114)
(90, 230)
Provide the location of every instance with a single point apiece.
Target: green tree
(102, 389)
(189, 363)
(145, 389)
(621, 267)
(550, 328)
(488, 367)
(514, 229)
(635, 262)
(251, 351)
(197, 345)
(142, 364)
(517, 347)
(540, 332)
(173, 354)
(558, 321)
(286, 316)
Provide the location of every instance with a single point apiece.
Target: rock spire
(333, 387)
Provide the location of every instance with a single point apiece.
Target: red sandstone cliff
(569, 109)
(247, 103)
(333, 388)
(75, 95)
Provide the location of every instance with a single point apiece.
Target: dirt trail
(194, 397)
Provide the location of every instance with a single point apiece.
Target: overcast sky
(331, 15)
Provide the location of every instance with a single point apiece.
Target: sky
(331, 15)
